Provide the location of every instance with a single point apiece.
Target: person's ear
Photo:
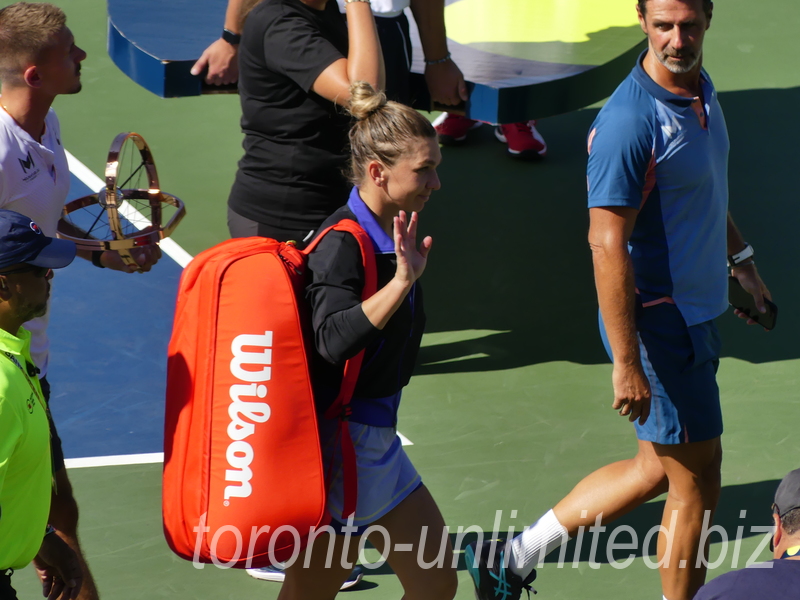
(32, 77)
(778, 535)
(377, 173)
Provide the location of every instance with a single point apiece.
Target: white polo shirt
(34, 181)
(384, 8)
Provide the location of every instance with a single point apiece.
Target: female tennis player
(394, 155)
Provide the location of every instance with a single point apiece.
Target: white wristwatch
(739, 258)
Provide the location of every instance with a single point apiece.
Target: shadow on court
(510, 252)
(636, 533)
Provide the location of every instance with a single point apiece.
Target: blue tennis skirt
(386, 476)
(680, 363)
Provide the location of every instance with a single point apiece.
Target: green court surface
(511, 403)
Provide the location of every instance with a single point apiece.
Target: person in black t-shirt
(395, 153)
(297, 59)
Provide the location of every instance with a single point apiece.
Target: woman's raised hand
(411, 260)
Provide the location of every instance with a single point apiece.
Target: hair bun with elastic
(365, 100)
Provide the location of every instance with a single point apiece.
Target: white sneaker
(277, 573)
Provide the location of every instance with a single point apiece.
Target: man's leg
(694, 486)
(63, 507)
(611, 491)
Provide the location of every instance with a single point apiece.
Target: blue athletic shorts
(386, 476)
(681, 364)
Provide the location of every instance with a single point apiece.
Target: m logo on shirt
(27, 164)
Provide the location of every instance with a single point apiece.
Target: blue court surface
(109, 333)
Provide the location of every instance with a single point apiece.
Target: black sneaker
(492, 580)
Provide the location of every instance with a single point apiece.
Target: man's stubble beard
(678, 68)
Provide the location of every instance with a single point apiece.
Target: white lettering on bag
(254, 367)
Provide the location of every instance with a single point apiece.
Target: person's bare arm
(746, 273)
(221, 57)
(58, 568)
(146, 257)
(609, 231)
(364, 60)
(445, 80)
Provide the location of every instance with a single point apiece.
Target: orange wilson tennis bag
(243, 476)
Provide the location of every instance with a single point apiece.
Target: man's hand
(220, 58)
(58, 569)
(751, 281)
(446, 83)
(631, 392)
(145, 256)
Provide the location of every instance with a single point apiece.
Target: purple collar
(380, 240)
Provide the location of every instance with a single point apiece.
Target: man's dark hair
(707, 6)
(790, 522)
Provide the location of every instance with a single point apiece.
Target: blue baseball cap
(22, 241)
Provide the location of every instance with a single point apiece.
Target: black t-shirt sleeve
(341, 329)
(295, 47)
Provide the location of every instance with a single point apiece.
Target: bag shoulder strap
(341, 406)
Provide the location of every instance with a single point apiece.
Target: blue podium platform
(515, 71)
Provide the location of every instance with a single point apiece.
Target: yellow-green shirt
(25, 463)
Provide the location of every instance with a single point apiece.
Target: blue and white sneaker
(278, 574)
(492, 580)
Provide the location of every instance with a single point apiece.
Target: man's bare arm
(146, 257)
(746, 273)
(609, 231)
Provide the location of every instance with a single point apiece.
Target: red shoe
(523, 140)
(453, 129)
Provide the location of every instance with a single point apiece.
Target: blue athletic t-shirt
(667, 156)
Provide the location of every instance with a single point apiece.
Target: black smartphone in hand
(743, 300)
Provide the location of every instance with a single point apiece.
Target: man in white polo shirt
(39, 61)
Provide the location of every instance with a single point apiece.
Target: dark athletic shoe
(493, 581)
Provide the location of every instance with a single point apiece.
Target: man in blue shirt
(659, 233)
(778, 579)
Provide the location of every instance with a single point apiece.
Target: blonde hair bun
(365, 100)
(382, 131)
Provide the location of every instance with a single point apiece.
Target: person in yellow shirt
(27, 260)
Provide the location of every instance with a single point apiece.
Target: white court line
(180, 256)
(94, 183)
(113, 461)
(144, 459)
